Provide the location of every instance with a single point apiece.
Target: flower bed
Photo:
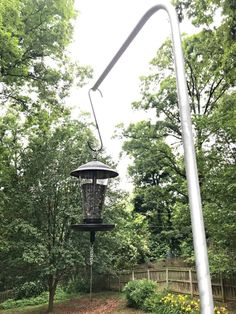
(141, 294)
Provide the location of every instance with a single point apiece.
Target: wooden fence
(9, 294)
(178, 280)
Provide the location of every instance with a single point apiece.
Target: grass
(34, 309)
(41, 304)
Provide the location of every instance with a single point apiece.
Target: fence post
(191, 282)
(109, 280)
(132, 274)
(222, 287)
(148, 274)
(167, 277)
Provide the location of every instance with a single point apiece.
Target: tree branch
(211, 93)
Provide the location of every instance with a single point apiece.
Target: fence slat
(222, 287)
(167, 277)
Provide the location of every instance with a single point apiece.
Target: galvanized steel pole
(199, 238)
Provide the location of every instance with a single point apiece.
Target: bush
(9, 304)
(137, 291)
(61, 294)
(153, 302)
(40, 299)
(142, 294)
(78, 285)
(180, 304)
(28, 290)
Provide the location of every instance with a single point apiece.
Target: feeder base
(92, 227)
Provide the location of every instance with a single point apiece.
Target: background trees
(157, 170)
(34, 65)
(40, 145)
(41, 202)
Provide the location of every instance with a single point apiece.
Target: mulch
(85, 306)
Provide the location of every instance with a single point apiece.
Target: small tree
(41, 201)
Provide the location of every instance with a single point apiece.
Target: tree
(158, 179)
(204, 12)
(210, 69)
(34, 65)
(41, 201)
(39, 147)
(128, 244)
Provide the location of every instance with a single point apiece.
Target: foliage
(40, 199)
(9, 304)
(156, 184)
(137, 291)
(155, 146)
(178, 304)
(78, 284)
(40, 202)
(39, 145)
(206, 12)
(128, 244)
(29, 289)
(34, 64)
(40, 299)
(152, 303)
(163, 302)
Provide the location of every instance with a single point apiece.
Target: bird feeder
(94, 177)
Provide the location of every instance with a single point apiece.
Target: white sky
(100, 30)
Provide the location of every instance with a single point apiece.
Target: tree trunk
(52, 289)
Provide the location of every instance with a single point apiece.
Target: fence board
(9, 294)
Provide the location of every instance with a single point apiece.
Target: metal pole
(199, 238)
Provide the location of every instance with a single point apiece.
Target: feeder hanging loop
(96, 124)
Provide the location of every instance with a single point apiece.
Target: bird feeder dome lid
(95, 169)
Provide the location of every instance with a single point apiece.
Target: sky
(100, 29)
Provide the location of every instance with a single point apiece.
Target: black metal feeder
(94, 177)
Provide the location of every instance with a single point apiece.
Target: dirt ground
(100, 304)
(85, 306)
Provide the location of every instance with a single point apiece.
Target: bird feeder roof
(95, 169)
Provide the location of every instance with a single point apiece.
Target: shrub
(28, 290)
(153, 302)
(137, 291)
(181, 304)
(61, 294)
(141, 295)
(40, 299)
(78, 285)
(9, 304)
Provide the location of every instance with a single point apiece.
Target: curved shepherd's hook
(96, 123)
